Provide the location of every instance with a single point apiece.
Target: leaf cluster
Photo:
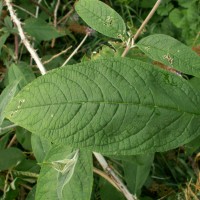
(141, 112)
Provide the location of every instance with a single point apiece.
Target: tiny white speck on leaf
(147, 48)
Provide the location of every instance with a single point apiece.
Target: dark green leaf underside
(113, 106)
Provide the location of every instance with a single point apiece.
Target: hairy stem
(24, 38)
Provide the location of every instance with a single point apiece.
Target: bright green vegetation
(141, 111)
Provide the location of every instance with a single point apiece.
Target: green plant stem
(77, 48)
(6, 184)
(26, 186)
(57, 55)
(7, 127)
(12, 141)
(55, 20)
(41, 7)
(66, 16)
(37, 9)
(128, 47)
(16, 39)
(115, 178)
(26, 11)
(36, 16)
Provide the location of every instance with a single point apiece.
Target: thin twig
(26, 186)
(36, 16)
(37, 9)
(41, 7)
(55, 20)
(147, 19)
(7, 127)
(24, 39)
(57, 55)
(77, 48)
(16, 39)
(26, 11)
(115, 178)
(128, 47)
(66, 16)
(5, 185)
(105, 176)
(12, 141)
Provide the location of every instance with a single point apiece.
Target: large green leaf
(65, 175)
(171, 52)
(113, 106)
(101, 18)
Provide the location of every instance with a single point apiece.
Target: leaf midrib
(114, 103)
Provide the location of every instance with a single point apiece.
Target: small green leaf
(15, 157)
(101, 18)
(165, 8)
(65, 174)
(24, 138)
(3, 40)
(6, 126)
(40, 30)
(186, 3)
(136, 171)
(22, 72)
(108, 191)
(31, 194)
(171, 52)
(5, 98)
(113, 106)
(28, 167)
(8, 23)
(178, 17)
(4, 141)
(40, 146)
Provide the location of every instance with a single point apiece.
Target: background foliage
(170, 175)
